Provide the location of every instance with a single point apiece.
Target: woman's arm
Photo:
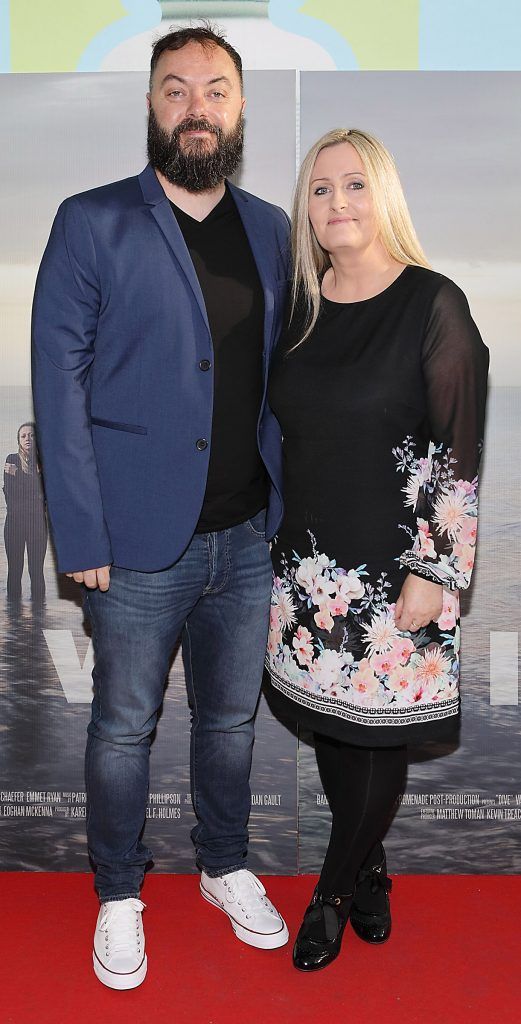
(11, 478)
(455, 366)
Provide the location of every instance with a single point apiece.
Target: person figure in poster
(25, 527)
(157, 305)
(379, 384)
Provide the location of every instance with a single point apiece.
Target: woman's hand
(419, 603)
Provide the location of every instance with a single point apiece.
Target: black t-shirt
(237, 483)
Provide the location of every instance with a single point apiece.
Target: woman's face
(26, 439)
(340, 206)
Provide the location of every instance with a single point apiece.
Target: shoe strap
(376, 878)
(331, 910)
(336, 901)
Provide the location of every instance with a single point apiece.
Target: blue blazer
(119, 330)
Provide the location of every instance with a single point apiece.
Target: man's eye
(219, 95)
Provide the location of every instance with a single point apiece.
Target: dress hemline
(440, 726)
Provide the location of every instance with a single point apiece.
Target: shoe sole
(257, 939)
(119, 981)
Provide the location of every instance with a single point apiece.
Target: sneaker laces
(244, 888)
(120, 920)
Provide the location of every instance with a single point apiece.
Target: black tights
(361, 785)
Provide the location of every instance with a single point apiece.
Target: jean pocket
(257, 524)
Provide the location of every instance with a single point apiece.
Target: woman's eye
(320, 191)
(357, 184)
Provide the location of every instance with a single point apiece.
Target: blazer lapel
(255, 231)
(155, 198)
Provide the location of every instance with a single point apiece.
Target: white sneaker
(119, 944)
(243, 898)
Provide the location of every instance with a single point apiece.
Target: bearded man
(158, 302)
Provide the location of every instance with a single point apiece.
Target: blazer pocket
(130, 428)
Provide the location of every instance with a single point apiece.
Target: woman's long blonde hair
(395, 227)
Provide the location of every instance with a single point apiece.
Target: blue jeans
(218, 596)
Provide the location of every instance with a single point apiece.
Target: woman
(379, 385)
(25, 523)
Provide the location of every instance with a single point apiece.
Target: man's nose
(196, 103)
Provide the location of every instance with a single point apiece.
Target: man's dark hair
(205, 35)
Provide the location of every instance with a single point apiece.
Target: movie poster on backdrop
(461, 811)
(88, 130)
(462, 807)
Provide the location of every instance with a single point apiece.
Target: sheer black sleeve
(455, 367)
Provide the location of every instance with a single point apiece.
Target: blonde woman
(379, 385)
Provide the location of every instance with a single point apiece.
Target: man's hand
(93, 578)
(419, 603)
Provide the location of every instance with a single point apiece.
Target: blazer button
(201, 444)
(205, 364)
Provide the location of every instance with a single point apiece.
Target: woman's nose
(338, 200)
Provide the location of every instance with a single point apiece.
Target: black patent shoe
(371, 912)
(320, 935)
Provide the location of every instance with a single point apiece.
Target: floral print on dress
(350, 649)
(447, 509)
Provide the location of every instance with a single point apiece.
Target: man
(157, 305)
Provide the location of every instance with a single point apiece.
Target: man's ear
(243, 104)
(148, 101)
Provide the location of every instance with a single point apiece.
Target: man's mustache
(195, 124)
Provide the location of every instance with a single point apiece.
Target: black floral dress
(382, 414)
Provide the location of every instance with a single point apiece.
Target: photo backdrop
(81, 121)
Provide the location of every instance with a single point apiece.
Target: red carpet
(453, 957)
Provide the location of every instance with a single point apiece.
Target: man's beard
(194, 167)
